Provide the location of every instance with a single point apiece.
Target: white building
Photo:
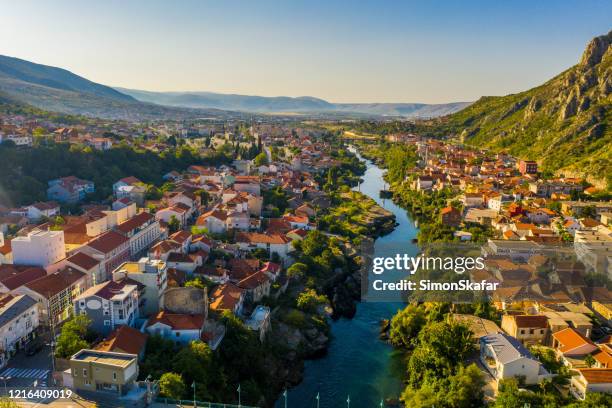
(180, 328)
(18, 322)
(505, 357)
(39, 248)
(152, 274)
(37, 211)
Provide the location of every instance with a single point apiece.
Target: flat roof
(105, 357)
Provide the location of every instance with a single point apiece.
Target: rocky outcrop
(595, 50)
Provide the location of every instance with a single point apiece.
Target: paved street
(25, 371)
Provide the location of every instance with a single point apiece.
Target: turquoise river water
(358, 364)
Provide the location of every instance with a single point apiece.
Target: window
(522, 331)
(178, 334)
(84, 372)
(531, 331)
(107, 323)
(114, 376)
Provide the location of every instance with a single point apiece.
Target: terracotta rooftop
(108, 241)
(178, 321)
(124, 339)
(523, 321)
(82, 260)
(50, 285)
(597, 375)
(135, 222)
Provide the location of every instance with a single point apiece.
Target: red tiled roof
(135, 222)
(50, 285)
(597, 375)
(82, 260)
(124, 339)
(14, 276)
(178, 321)
(255, 280)
(108, 242)
(225, 297)
(569, 339)
(526, 321)
(256, 237)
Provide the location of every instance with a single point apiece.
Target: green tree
(173, 225)
(73, 336)
(406, 325)
(309, 300)
(297, 271)
(261, 159)
(171, 385)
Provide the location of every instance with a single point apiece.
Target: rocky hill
(563, 124)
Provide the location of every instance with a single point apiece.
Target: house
(40, 210)
(180, 328)
(183, 238)
(153, 275)
(273, 270)
(179, 211)
(18, 324)
(527, 329)
(571, 344)
(450, 216)
(55, 293)
(256, 286)
(88, 265)
(69, 189)
(125, 339)
(505, 357)
(591, 380)
(39, 248)
(227, 297)
(111, 249)
(528, 167)
(126, 182)
(164, 248)
(142, 230)
(108, 305)
(214, 221)
(272, 243)
(184, 262)
(107, 371)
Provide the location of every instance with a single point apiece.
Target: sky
(426, 51)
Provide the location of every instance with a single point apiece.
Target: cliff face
(563, 124)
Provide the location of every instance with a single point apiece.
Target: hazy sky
(343, 51)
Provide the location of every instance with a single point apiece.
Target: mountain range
(563, 124)
(274, 104)
(59, 90)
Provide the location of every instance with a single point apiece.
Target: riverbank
(357, 362)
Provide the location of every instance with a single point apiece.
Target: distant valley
(303, 104)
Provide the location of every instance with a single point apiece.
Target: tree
(261, 159)
(509, 395)
(406, 325)
(171, 385)
(194, 362)
(309, 301)
(297, 271)
(173, 225)
(6, 402)
(73, 336)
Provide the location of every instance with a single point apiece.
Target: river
(357, 363)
